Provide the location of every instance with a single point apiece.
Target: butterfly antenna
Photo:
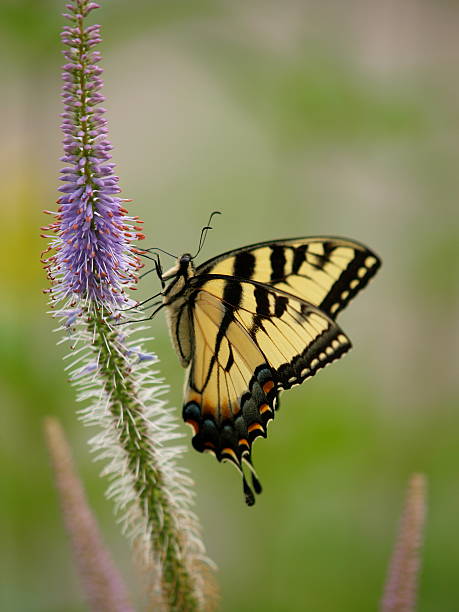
(204, 231)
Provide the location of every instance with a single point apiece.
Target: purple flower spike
(92, 262)
(92, 252)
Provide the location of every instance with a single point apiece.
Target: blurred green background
(292, 118)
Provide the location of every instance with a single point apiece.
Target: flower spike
(91, 262)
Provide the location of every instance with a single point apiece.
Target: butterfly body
(253, 322)
(175, 298)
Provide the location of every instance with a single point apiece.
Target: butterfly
(251, 323)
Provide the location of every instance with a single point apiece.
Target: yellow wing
(251, 341)
(324, 271)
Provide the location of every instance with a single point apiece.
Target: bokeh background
(292, 118)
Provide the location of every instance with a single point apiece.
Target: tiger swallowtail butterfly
(251, 323)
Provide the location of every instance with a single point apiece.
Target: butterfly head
(185, 259)
(183, 268)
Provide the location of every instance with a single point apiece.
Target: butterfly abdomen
(177, 300)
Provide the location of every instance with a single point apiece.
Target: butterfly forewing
(326, 272)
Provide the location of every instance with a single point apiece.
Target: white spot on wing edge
(334, 307)
(370, 261)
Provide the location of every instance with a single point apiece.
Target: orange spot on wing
(231, 453)
(269, 384)
(255, 427)
(243, 442)
(264, 408)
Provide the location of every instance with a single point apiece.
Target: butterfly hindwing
(325, 271)
(251, 341)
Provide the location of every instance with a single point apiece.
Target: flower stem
(142, 462)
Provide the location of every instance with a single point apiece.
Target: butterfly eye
(186, 258)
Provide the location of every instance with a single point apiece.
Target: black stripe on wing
(244, 264)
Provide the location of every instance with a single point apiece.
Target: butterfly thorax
(175, 299)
